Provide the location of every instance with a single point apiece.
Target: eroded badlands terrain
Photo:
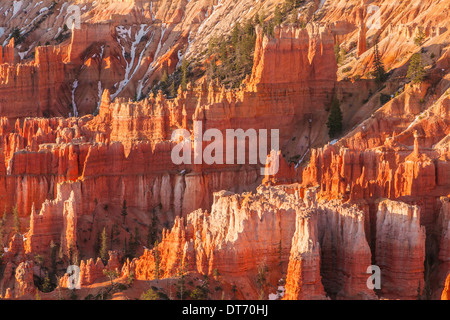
(87, 177)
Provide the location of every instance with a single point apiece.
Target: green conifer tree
(104, 246)
(416, 70)
(335, 118)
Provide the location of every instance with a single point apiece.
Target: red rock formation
(77, 172)
(346, 254)
(225, 240)
(16, 250)
(8, 280)
(446, 291)
(362, 41)
(220, 240)
(114, 261)
(56, 222)
(303, 275)
(8, 294)
(444, 244)
(400, 249)
(90, 271)
(24, 280)
(7, 53)
(34, 89)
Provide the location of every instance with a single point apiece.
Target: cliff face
(379, 195)
(304, 280)
(33, 89)
(220, 240)
(311, 257)
(446, 291)
(400, 249)
(126, 132)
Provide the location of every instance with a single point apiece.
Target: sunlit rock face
(86, 150)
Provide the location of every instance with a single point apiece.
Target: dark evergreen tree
(16, 35)
(104, 246)
(124, 212)
(416, 70)
(335, 118)
(337, 53)
(165, 79)
(157, 260)
(47, 286)
(278, 17)
(419, 38)
(184, 74)
(379, 72)
(172, 90)
(17, 224)
(152, 230)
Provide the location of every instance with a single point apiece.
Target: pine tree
(53, 251)
(262, 18)
(17, 224)
(416, 70)
(115, 232)
(172, 90)
(47, 285)
(104, 246)
(234, 291)
(335, 118)
(235, 34)
(216, 274)
(124, 210)
(152, 231)
(157, 260)
(337, 52)
(150, 294)
(184, 74)
(39, 259)
(249, 28)
(271, 29)
(181, 283)
(2, 229)
(379, 71)
(164, 79)
(419, 39)
(125, 248)
(16, 35)
(136, 241)
(111, 274)
(277, 16)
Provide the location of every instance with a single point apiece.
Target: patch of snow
(61, 10)
(301, 160)
(280, 293)
(129, 71)
(151, 10)
(17, 5)
(322, 2)
(152, 66)
(100, 93)
(74, 105)
(123, 32)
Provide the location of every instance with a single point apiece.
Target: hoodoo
(234, 150)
